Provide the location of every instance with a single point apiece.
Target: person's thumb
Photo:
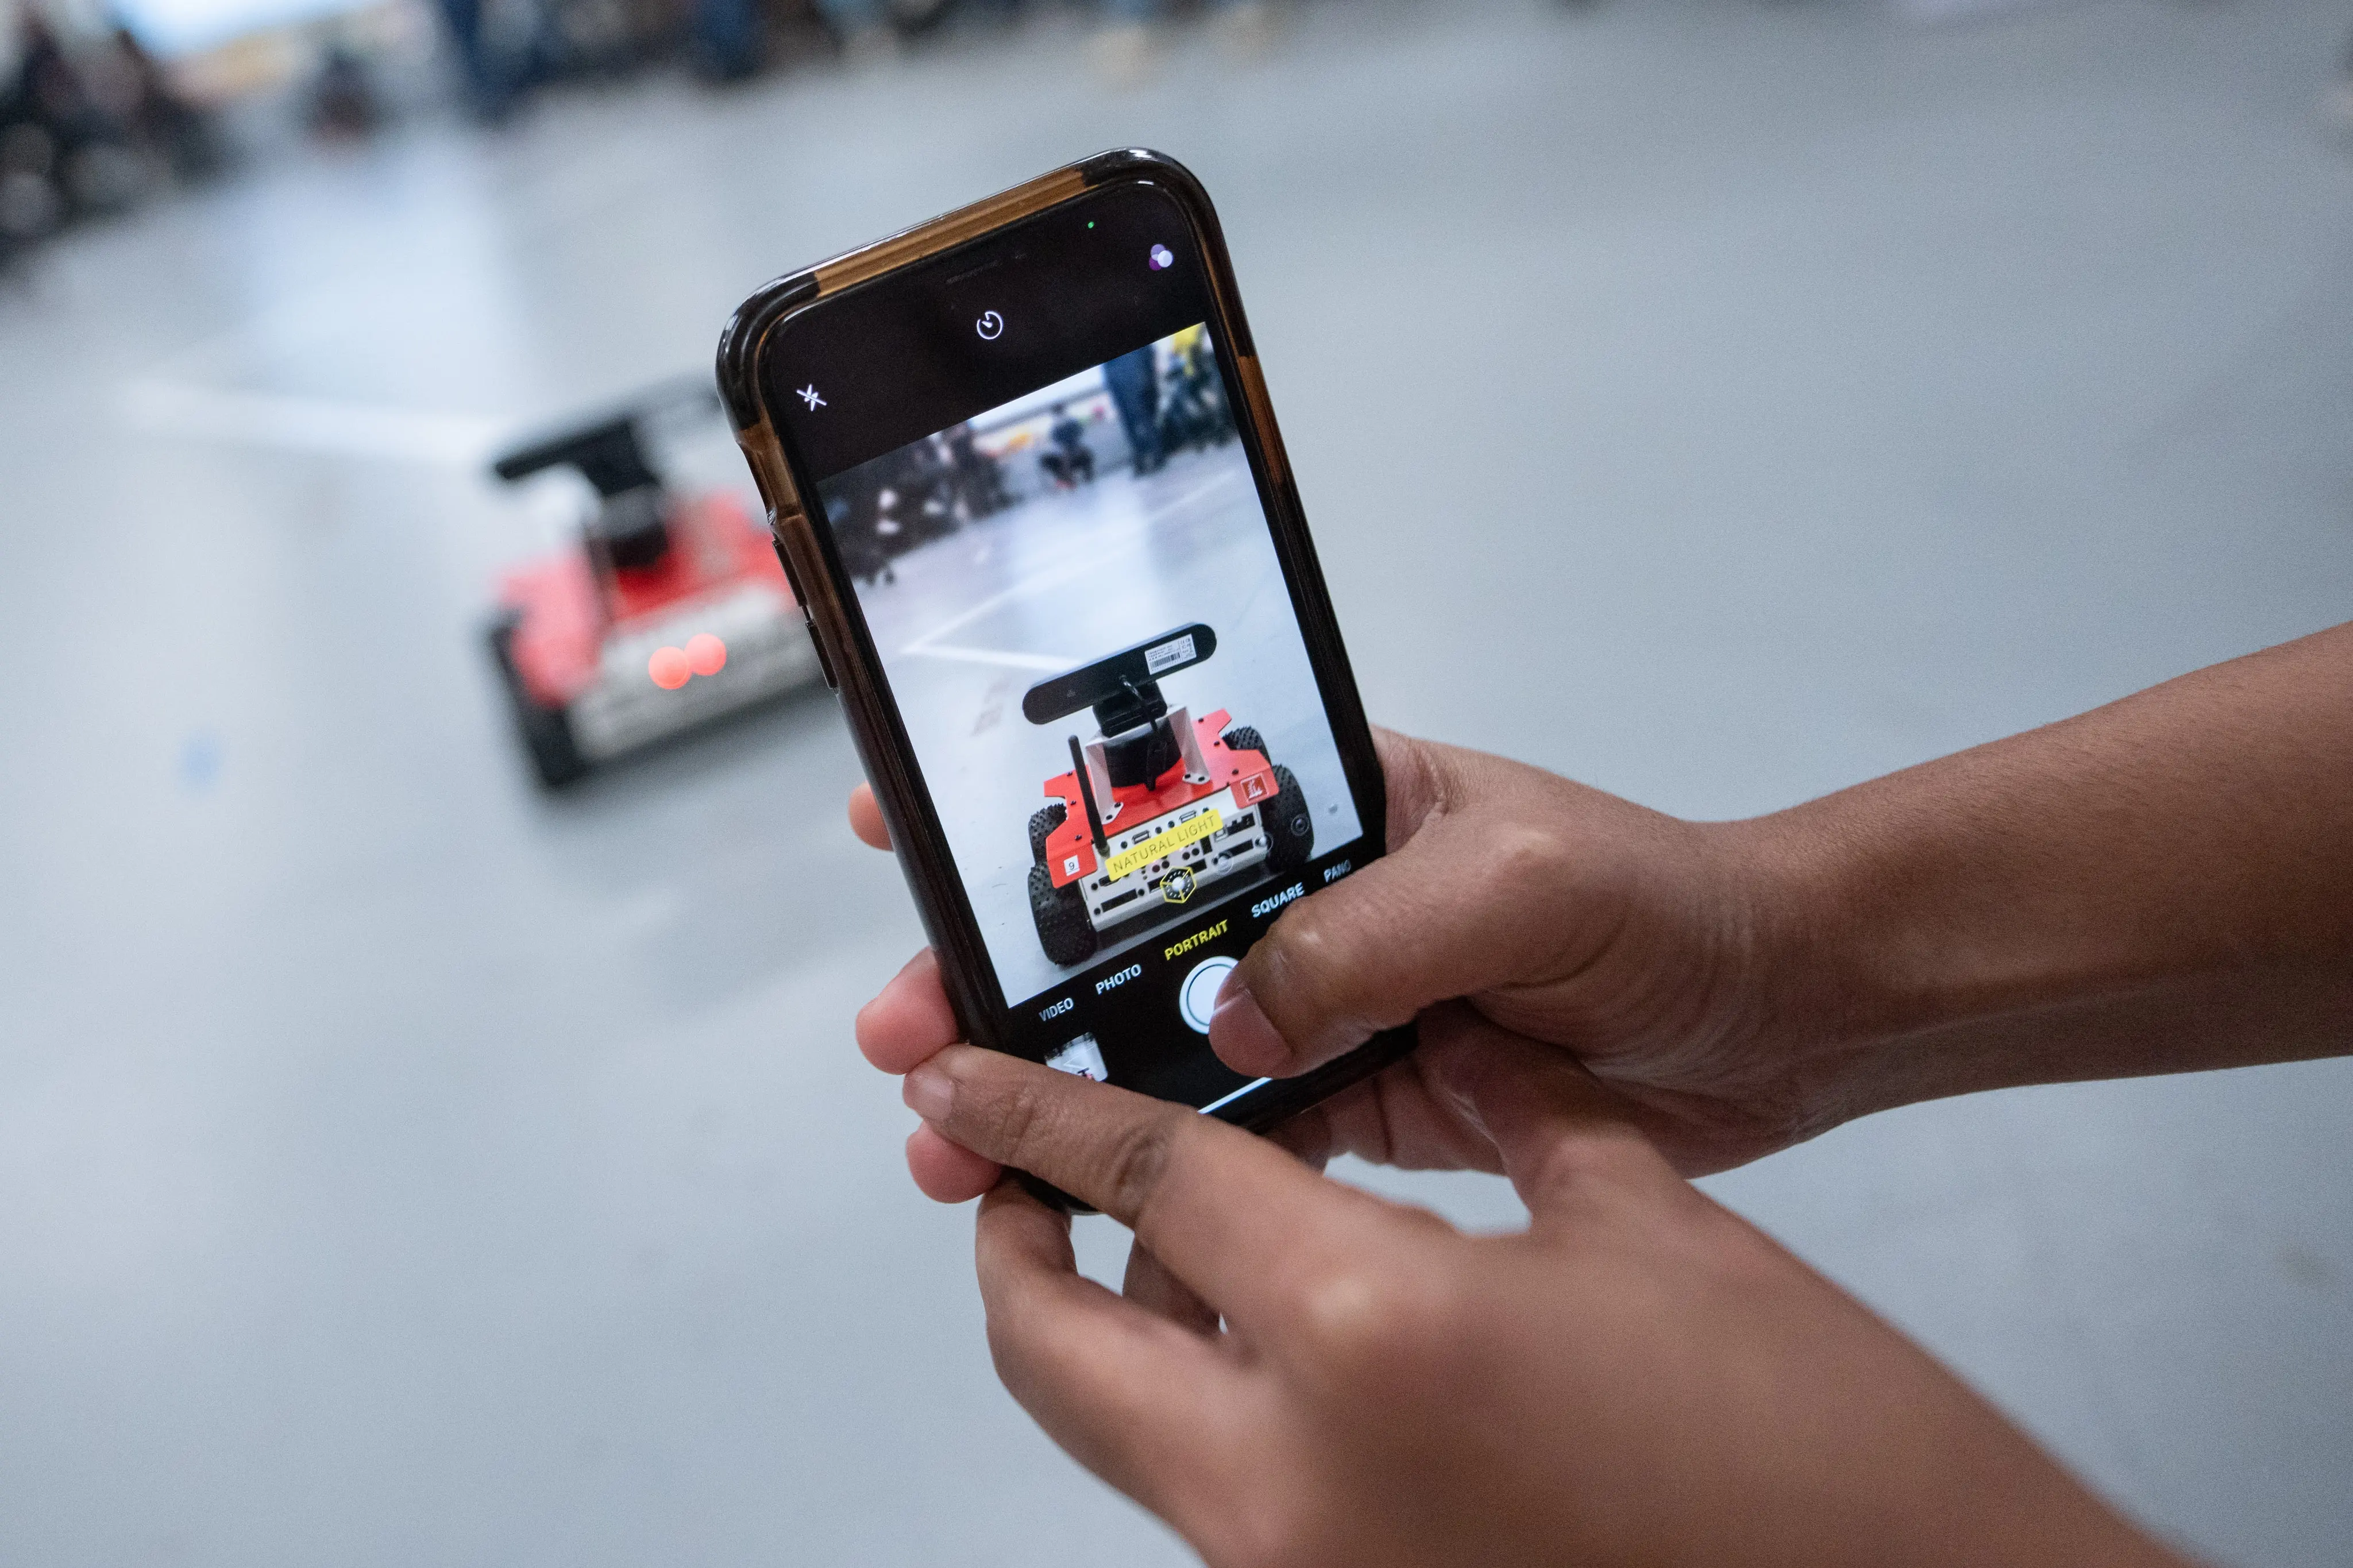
(1558, 1129)
(1451, 912)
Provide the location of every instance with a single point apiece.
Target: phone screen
(1086, 627)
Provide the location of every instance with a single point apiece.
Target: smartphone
(1027, 487)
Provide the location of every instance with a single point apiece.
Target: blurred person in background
(861, 29)
(890, 528)
(88, 131)
(852, 515)
(870, 30)
(1133, 382)
(1069, 461)
(1611, 1001)
(978, 479)
(159, 116)
(344, 104)
(29, 200)
(494, 68)
(1125, 47)
(930, 472)
(726, 45)
(1195, 412)
(66, 136)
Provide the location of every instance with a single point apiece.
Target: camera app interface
(1089, 638)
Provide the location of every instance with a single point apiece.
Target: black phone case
(852, 663)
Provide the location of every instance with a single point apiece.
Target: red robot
(670, 609)
(1157, 805)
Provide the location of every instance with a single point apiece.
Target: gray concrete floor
(1718, 402)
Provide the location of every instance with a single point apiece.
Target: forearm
(2160, 885)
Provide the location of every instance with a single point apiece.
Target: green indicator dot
(1091, 223)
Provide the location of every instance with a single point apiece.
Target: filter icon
(1162, 257)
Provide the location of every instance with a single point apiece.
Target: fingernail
(930, 1093)
(1241, 1030)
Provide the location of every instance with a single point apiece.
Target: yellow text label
(1191, 830)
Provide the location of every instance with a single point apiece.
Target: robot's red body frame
(1070, 849)
(565, 618)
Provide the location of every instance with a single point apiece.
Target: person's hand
(1640, 1377)
(1654, 950)
(1648, 948)
(1394, 1118)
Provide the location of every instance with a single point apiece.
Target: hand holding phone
(1585, 923)
(1024, 477)
(1298, 1371)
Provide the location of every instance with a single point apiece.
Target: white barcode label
(1168, 655)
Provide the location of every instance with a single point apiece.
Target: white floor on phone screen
(1717, 402)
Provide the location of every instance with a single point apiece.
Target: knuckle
(1012, 1347)
(1312, 963)
(1419, 779)
(1021, 1119)
(1382, 1321)
(1297, 949)
(1137, 1158)
(1314, 933)
(1525, 857)
(1004, 1346)
(1022, 1356)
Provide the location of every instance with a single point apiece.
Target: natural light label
(1190, 831)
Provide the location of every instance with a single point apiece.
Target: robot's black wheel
(1042, 823)
(1063, 929)
(1289, 826)
(546, 732)
(1242, 738)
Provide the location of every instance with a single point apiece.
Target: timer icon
(989, 325)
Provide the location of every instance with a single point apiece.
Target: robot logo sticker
(1177, 886)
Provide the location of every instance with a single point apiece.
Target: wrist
(1917, 953)
(1848, 989)
(1772, 1036)
(2156, 886)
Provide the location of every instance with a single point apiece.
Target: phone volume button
(791, 576)
(824, 664)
